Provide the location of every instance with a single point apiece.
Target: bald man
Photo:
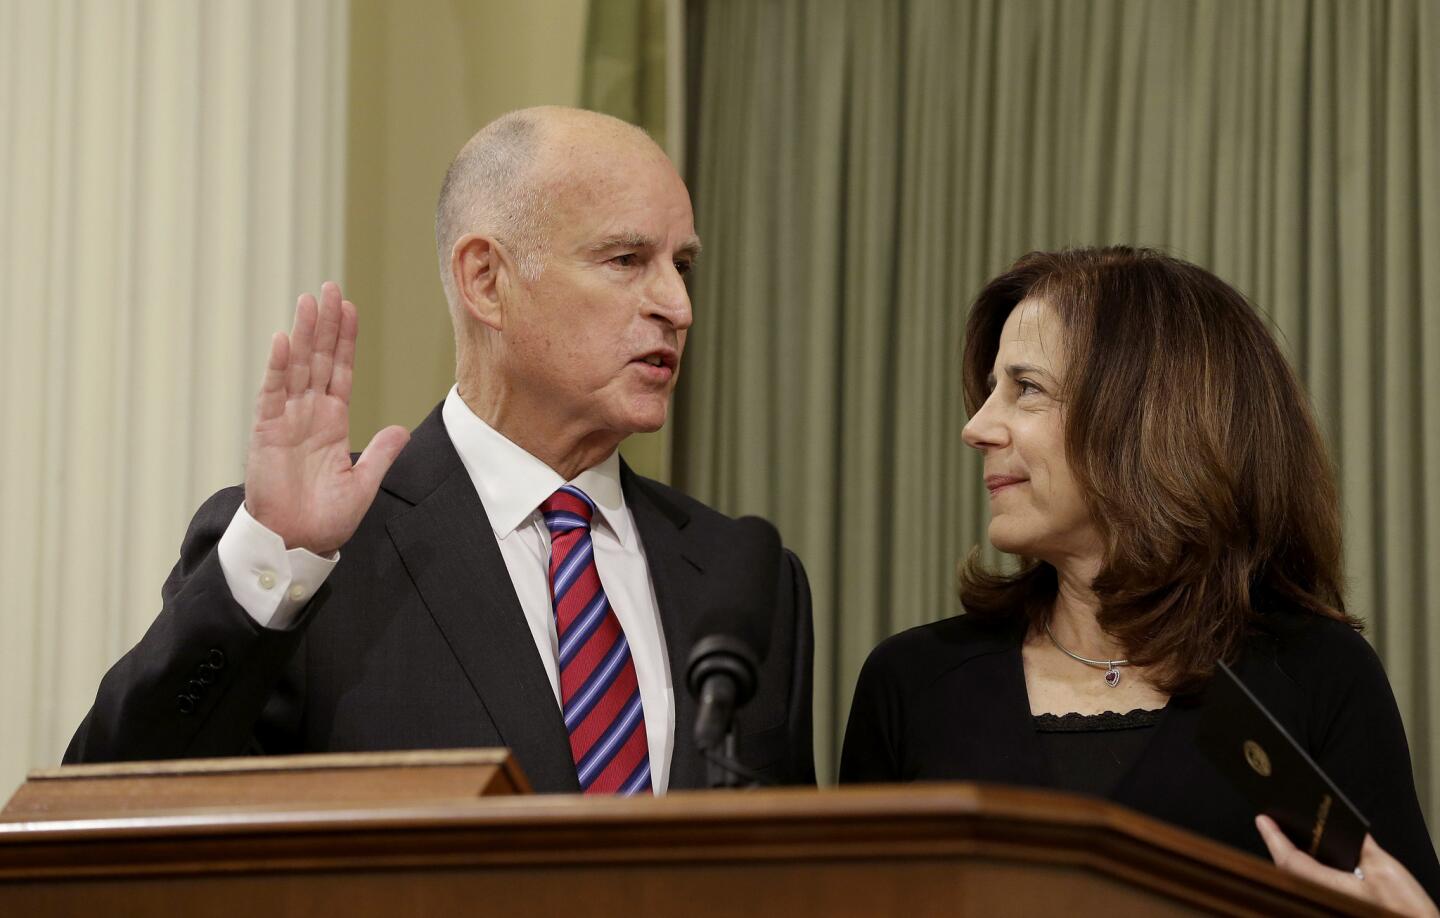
(499, 577)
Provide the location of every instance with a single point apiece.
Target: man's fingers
(377, 458)
(327, 330)
(302, 340)
(342, 374)
(271, 401)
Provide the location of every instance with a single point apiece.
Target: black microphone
(734, 635)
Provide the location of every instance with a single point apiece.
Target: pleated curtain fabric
(860, 168)
(171, 176)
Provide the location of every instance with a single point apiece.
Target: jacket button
(187, 704)
(197, 688)
(217, 658)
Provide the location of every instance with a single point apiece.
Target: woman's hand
(1379, 879)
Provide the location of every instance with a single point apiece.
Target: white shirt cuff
(269, 582)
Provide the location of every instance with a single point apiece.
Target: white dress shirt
(273, 584)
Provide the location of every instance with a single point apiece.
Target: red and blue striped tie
(599, 695)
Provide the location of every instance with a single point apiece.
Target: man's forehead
(638, 210)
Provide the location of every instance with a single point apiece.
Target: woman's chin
(1012, 543)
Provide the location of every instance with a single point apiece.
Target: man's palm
(299, 481)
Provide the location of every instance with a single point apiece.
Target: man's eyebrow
(689, 249)
(622, 240)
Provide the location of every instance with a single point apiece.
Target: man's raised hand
(299, 482)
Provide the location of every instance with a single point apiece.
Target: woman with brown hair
(1152, 461)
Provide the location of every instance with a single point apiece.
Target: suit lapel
(450, 552)
(680, 585)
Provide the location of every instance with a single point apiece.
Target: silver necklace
(1112, 675)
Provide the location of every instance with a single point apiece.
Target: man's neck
(567, 453)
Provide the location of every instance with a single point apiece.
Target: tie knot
(568, 508)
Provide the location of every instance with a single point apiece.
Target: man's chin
(647, 416)
(646, 426)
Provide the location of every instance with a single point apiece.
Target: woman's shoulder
(1299, 630)
(1311, 648)
(925, 651)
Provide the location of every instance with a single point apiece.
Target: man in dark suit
(500, 577)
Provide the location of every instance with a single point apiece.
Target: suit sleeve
(205, 680)
(1363, 749)
(801, 717)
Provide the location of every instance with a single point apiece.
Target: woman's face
(1035, 505)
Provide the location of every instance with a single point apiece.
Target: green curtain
(624, 67)
(860, 168)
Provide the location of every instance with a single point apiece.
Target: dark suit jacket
(417, 641)
(947, 701)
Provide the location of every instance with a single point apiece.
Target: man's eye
(684, 267)
(627, 260)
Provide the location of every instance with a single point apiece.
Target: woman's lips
(997, 483)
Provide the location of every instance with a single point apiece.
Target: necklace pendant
(1112, 676)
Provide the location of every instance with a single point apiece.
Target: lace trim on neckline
(1089, 723)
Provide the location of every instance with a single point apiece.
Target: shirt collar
(512, 483)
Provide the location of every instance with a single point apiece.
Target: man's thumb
(377, 458)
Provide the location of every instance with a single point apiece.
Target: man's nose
(669, 299)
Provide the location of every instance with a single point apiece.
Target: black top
(947, 701)
(1090, 753)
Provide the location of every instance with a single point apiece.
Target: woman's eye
(1027, 387)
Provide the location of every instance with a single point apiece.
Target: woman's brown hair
(1196, 451)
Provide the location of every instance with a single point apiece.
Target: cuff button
(266, 580)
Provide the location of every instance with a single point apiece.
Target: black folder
(1246, 743)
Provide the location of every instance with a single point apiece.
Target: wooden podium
(436, 834)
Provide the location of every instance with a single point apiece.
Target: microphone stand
(719, 767)
(722, 674)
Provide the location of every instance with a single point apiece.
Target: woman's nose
(984, 430)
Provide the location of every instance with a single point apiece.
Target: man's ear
(481, 270)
